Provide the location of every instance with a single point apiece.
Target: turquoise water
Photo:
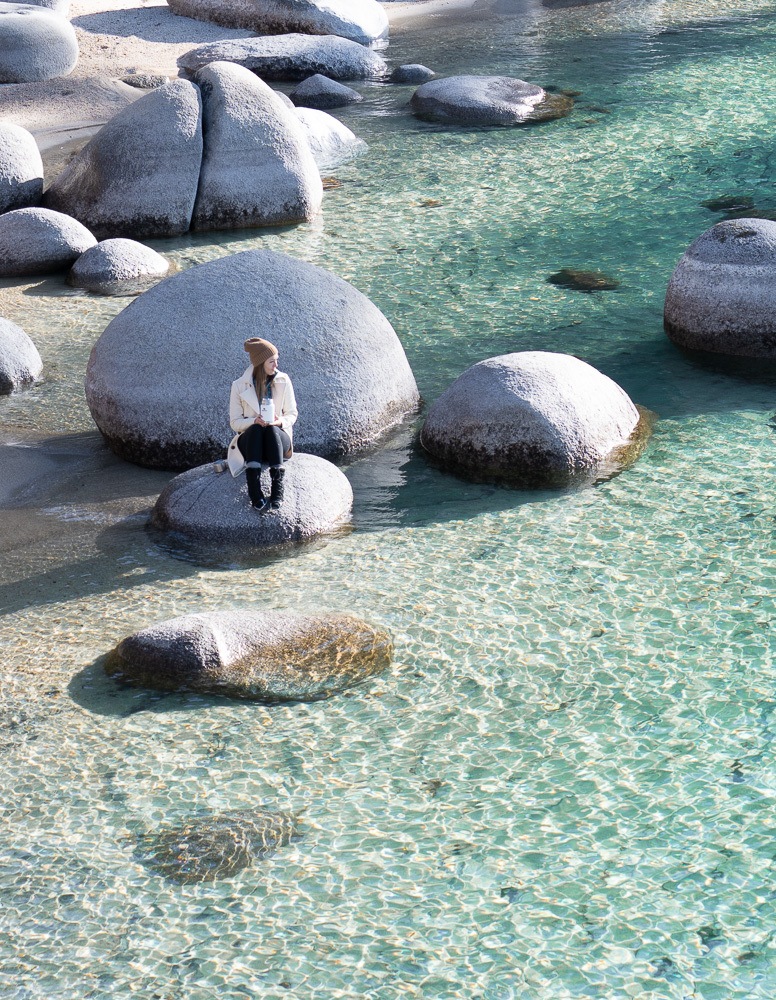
(565, 786)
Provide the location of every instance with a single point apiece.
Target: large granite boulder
(118, 267)
(38, 241)
(320, 92)
(159, 377)
(20, 362)
(138, 176)
(21, 168)
(212, 509)
(330, 142)
(486, 100)
(533, 418)
(35, 44)
(257, 167)
(268, 656)
(722, 294)
(362, 21)
(291, 57)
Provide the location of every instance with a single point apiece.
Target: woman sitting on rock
(262, 411)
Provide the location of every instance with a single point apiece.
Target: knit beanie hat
(260, 351)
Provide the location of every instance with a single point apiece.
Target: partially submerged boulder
(330, 142)
(210, 509)
(21, 168)
(362, 21)
(318, 91)
(118, 267)
(722, 294)
(257, 167)
(268, 656)
(158, 379)
(20, 362)
(138, 176)
(38, 241)
(486, 100)
(412, 73)
(291, 57)
(579, 280)
(532, 419)
(35, 44)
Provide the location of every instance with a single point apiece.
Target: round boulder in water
(412, 73)
(20, 362)
(532, 419)
(38, 241)
(35, 44)
(21, 168)
(330, 142)
(159, 377)
(211, 509)
(486, 100)
(320, 92)
(268, 656)
(118, 267)
(722, 294)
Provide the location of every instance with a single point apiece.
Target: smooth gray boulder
(291, 57)
(330, 142)
(320, 92)
(722, 294)
(118, 267)
(486, 100)
(212, 509)
(38, 241)
(362, 21)
(412, 73)
(268, 656)
(21, 168)
(533, 418)
(257, 167)
(35, 44)
(159, 377)
(138, 176)
(20, 362)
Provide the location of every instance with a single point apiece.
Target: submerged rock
(330, 142)
(139, 175)
(583, 281)
(270, 656)
(729, 203)
(35, 44)
(257, 167)
(21, 168)
(362, 21)
(20, 362)
(722, 293)
(320, 92)
(486, 100)
(533, 418)
(213, 509)
(291, 57)
(205, 848)
(38, 241)
(118, 267)
(412, 73)
(158, 379)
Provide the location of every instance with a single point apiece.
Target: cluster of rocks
(37, 42)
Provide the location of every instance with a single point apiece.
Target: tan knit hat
(260, 351)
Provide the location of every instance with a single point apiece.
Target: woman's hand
(260, 422)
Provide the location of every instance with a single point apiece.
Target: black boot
(276, 474)
(253, 477)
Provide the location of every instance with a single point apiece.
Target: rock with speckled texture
(165, 407)
(38, 241)
(486, 100)
(20, 362)
(331, 142)
(533, 418)
(722, 294)
(412, 73)
(257, 167)
(291, 57)
(118, 267)
(320, 92)
(35, 44)
(138, 176)
(263, 656)
(21, 168)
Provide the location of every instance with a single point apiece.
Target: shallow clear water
(565, 786)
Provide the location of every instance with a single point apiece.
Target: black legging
(263, 446)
